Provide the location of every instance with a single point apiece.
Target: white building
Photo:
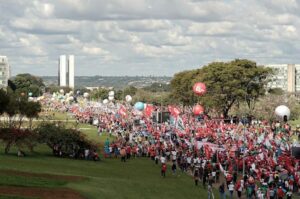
(286, 77)
(71, 71)
(4, 71)
(62, 71)
(66, 71)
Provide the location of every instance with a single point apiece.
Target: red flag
(148, 110)
(122, 111)
(208, 151)
(174, 111)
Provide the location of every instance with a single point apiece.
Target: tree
(267, 105)
(119, 95)
(276, 91)
(131, 90)
(100, 93)
(181, 87)
(12, 108)
(67, 140)
(158, 87)
(54, 89)
(25, 83)
(227, 83)
(155, 98)
(3, 101)
(18, 137)
(31, 110)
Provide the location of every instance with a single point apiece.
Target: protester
(205, 149)
(210, 192)
(163, 170)
(222, 191)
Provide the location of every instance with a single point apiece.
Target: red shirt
(164, 167)
(280, 193)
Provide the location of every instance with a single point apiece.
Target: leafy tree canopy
(158, 87)
(227, 83)
(26, 83)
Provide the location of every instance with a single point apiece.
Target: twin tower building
(66, 71)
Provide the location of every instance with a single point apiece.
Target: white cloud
(213, 28)
(153, 36)
(94, 50)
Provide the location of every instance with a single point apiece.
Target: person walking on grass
(163, 170)
(210, 192)
(196, 177)
(231, 189)
(123, 154)
(174, 168)
(239, 188)
(222, 191)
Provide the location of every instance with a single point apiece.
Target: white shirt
(213, 174)
(162, 160)
(86, 152)
(231, 187)
(189, 160)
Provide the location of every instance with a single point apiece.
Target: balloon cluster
(199, 89)
(61, 96)
(111, 97)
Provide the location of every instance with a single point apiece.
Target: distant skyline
(146, 37)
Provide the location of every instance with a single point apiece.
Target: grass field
(40, 175)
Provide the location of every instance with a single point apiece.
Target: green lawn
(108, 178)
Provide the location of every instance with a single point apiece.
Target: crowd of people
(239, 158)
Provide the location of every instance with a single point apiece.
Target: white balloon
(105, 101)
(282, 111)
(95, 122)
(62, 91)
(128, 98)
(71, 98)
(111, 93)
(30, 98)
(110, 98)
(54, 95)
(86, 95)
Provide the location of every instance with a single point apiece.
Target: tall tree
(181, 87)
(26, 83)
(4, 100)
(227, 83)
(31, 110)
(131, 90)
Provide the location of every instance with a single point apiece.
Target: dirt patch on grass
(43, 193)
(43, 175)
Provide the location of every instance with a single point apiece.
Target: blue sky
(146, 37)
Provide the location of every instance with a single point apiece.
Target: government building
(66, 71)
(286, 77)
(4, 71)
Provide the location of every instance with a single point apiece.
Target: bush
(63, 141)
(18, 137)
